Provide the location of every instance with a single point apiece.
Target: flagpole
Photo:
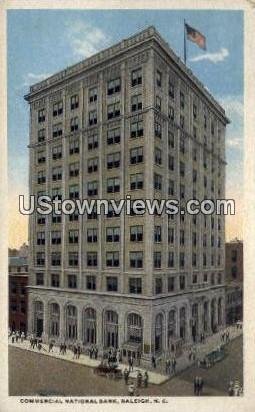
(184, 39)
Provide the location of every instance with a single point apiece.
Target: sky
(42, 42)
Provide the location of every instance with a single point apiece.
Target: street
(32, 373)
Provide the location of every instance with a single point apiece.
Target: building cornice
(116, 50)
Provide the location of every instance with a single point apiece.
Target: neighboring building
(234, 281)
(130, 120)
(23, 250)
(18, 281)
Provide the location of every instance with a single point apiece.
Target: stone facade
(131, 120)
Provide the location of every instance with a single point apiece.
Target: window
(136, 181)
(93, 95)
(113, 160)
(158, 78)
(55, 237)
(194, 154)
(56, 259)
(194, 111)
(136, 155)
(112, 284)
(74, 191)
(136, 126)
(182, 259)
(72, 281)
(171, 235)
(170, 139)
(135, 285)
(171, 89)
(57, 130)
(195, 132)
(171, 113)
(91, 282)
(92, 141)
(158, 156)
(113, 136)
(112, 234)
(157, 234)
(92, 235)
(112, 212)
(136, 259)
(113, 110)
(41, 135)
(194, 279)
(57, 173)
(182, 145)
(41, 115)
(158, 286)
(56, 193)
(92, 117)
(171, 188)
(112, 259)
(92, 259)
(157, 128)
(158, 103)
(92, 188)
(113, 86)
(136, 103)
(170, 284)
(182, 282)
(136, 233)
(182, 100)
(57, 108)
(41, 178)
(136, 77)
(73, 258)
(73, 236)
(113, 185)
(74, 169)
(182, 121)
(57, 152)
(41, 157)
(40, 258)
(74, 124)
(182, 169)
(157, 182)
(55, 280)
(74, 101)
(182, 192)
(171, 163)
(157, 260)
(93, 165)
(56, 218)
(93, 214)
(40, 238)
(74, 146)
(39, 279)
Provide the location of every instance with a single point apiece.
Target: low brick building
(18, 280)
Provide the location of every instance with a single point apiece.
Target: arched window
(183, 323)
(159, 333)
(54, 319)
(89, 326)
(220, 311)
(135, 328)
(111, 329)
(71, 322)
(171, 325)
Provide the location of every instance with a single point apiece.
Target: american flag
(196, 37)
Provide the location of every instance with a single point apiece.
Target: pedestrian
(227, 337)
(96, 352)
(196, 386)
(74, 351)
(131, 363)
(78, 352)
(174, 365)
(145, 379)
(51, 346)
(22, 337)
(153, 361)
(200, 386)
(139, 379)
(126, 375)
(131, 389)
(17, 336)
(167, 366)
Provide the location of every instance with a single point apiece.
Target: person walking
(200, 386)
(139, 379)
(196, 386)
(22, 337)
(126, 375)
(131, 363)
(153, 361)
(51, 347)
(131, 389)
(174, 365)
(78, 352)
(146, 379)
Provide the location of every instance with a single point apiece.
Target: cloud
(234, 142)
(86, 40)
(216, 57)
(31, 78)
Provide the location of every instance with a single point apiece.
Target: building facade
(18, 281)
(131, 120)
(234, 281)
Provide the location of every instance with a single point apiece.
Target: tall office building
(130, 120)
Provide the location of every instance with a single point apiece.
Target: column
(45, 334)
(99, 318)
(79, 325)
(62, 334)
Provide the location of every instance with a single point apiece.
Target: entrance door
(39, 327)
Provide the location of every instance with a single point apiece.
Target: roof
(150, 33)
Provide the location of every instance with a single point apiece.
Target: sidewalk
(155, 377)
